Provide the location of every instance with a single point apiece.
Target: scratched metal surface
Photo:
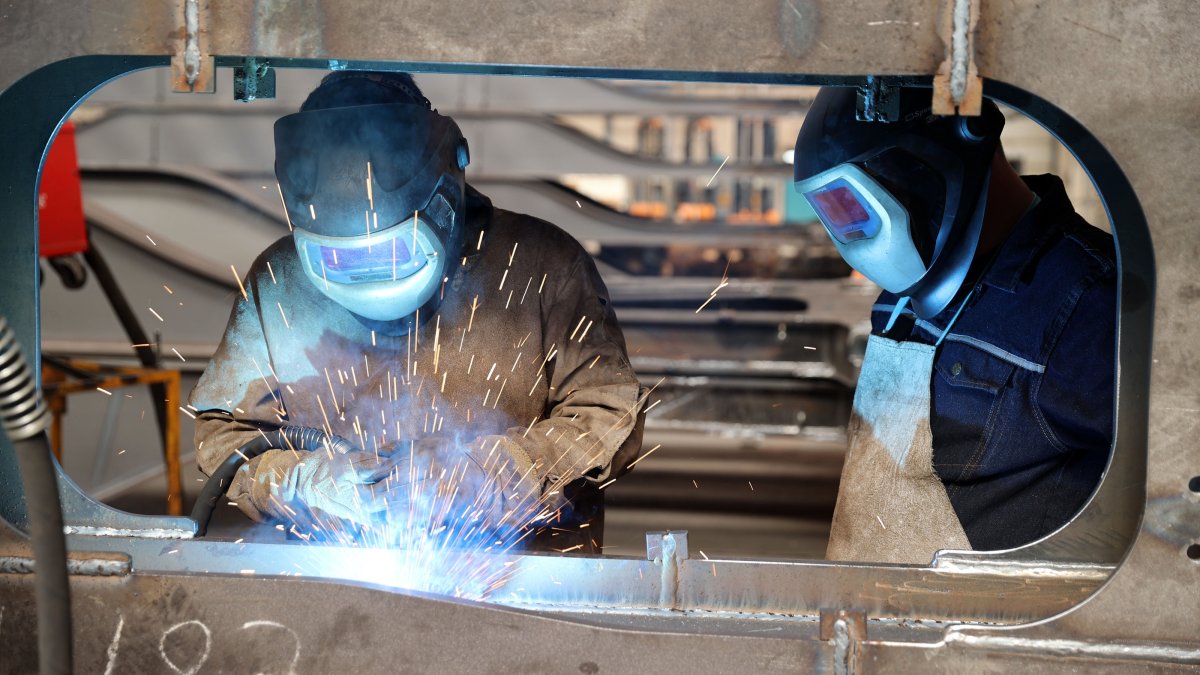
(1126, 72)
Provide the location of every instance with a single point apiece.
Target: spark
(543, 283)
(103, 391)
(648, 452)
(751, 485)
(142, 344)
(577, 327)
(312, 210)
(474, 306)
(724, 282)
(283, 201)
(576, 547)
(527, 284)
(710, 180)
(703, 555)
(610, 482)
(479, 244)
(372, 341)
(593, 362)
(503, 278)
(513, 254)
(811, 348)
(120, 452)
(156, 314)
(238, 277)
(169, 289)
(695, 484)
(187, 412)
(370, 192)
(151, 240)
(578, 204)
(585, 332)
(326, 277)
(414, 246)
(178, 354)
(285, 321)
(880, 522)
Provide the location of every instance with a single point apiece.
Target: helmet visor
(393, 254)
(850, 204)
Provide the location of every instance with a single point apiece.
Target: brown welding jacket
(524, 349)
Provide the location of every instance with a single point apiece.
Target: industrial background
(1115, 591)
(669, 186)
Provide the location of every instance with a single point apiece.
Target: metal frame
(1111, 70)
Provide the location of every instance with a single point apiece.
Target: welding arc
(300, 438)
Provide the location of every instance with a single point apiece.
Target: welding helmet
(375, 196)
(903, 201)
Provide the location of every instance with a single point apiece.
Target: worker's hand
(437, 479)
(337, 484)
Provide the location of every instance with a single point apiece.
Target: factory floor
(716, 534)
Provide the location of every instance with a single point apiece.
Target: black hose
(25, 419)
(299, 438)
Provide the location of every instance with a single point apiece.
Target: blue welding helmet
(903, 201)
(375, 196)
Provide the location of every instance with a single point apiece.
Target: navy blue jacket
(1022, 390)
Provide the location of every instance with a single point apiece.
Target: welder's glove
(485, 484)
(337, 484)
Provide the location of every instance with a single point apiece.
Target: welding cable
(25, 418)
(300, 438)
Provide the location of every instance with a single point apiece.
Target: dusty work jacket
(524, 348)
(1023, 384)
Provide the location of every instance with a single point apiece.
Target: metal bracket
(193, 67)
(878, 101)
(847, 628)
(253, 80)
(957, 87)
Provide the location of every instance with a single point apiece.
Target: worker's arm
(232, 394)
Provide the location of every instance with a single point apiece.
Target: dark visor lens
(843, 211)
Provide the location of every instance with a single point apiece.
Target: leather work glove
(337, 484)
(439, 482)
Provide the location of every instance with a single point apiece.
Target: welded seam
(97, 567)
(191, 50)
(841, 647)
(959, 44)
(1054, 647)
(150, 533)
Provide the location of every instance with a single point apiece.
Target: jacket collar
(1046, 218)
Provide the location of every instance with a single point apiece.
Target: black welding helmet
(375, 194)
(903, 201)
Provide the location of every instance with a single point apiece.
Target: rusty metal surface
(1126, 72)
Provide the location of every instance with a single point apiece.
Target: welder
(983, 416)
(457, 346)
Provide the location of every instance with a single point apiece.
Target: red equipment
(61, 228)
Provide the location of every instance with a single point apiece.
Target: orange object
(61, 228)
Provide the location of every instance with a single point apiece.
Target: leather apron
(892, 506)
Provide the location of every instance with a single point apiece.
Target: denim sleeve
(1076, 398)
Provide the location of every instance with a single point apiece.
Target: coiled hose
(25, 419)
(300, 438)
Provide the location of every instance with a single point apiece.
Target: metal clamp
(847, 628)
(253, 80)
